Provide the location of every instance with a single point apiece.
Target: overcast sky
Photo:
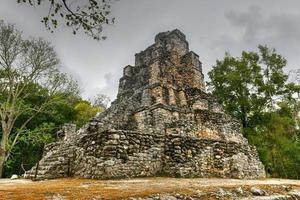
(211, 26)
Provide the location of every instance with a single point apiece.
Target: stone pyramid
(163, 123)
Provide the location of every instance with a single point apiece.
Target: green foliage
(85, 112)
(276, 139)
(40, 131)
(35, 96)
(29, 148)
(254, 89)
(40, 135)
(249, 85)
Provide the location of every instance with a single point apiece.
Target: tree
(85, 112)
(26, 66)
(254, 89)
(89, 15)
(40, 130)
(251, 84)
(276, 139)
(100, 100)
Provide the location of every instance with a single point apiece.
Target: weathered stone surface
(257, 191)
(162, 123)
(14, 176)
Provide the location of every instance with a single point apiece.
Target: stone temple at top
(162, 123)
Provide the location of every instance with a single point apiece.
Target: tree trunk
(2, 160)
(244, 117)
(3, 150)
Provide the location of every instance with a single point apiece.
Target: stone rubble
(221, 194)
(14, 176)
(257, 191)
(163, 123)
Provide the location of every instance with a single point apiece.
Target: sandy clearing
(73, 188)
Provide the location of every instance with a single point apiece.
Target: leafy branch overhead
(88, 15)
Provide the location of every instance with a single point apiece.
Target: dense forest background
(37, 98)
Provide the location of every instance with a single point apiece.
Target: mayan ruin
(162, 123)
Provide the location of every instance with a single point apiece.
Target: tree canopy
(36, 98)
(254, 88)
(31, 81)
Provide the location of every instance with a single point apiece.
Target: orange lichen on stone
(208, 134)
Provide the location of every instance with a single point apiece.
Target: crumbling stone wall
(163, 123)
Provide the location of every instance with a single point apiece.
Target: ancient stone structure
(162, 123)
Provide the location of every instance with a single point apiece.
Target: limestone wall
(121, 154)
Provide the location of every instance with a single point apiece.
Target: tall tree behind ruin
(255, 89)
(24, 63)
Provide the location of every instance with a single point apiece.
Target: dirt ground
(73, 188)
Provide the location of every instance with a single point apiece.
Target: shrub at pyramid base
(162, 123)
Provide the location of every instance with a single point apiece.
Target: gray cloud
(212, 27)
(279, 31)
(274, 28)
(111, 81)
